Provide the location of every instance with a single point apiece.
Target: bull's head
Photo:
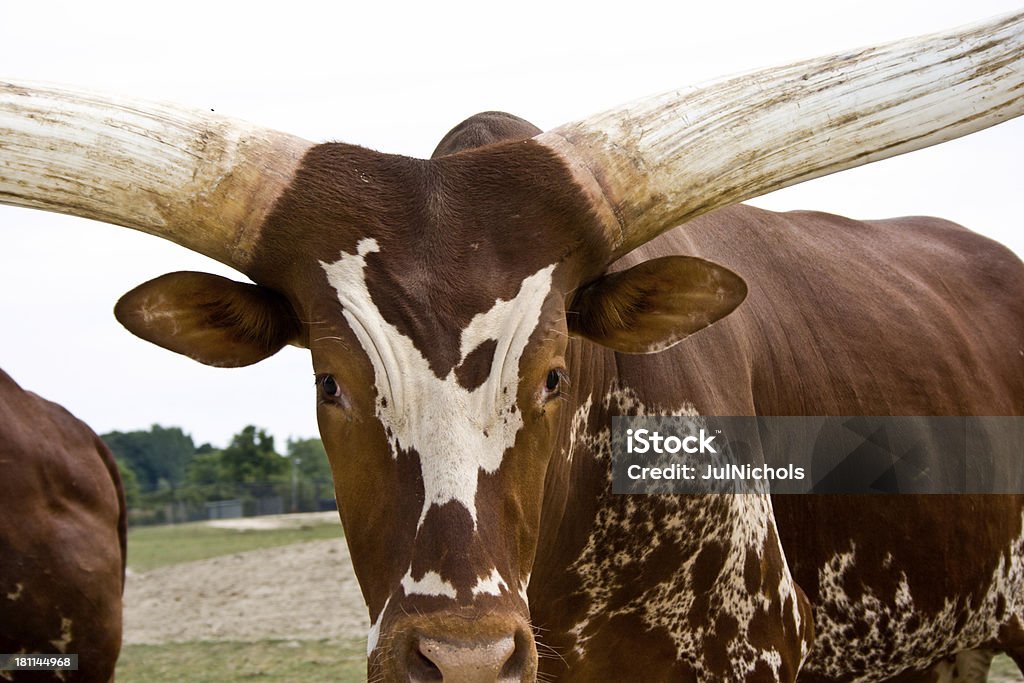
(444, 300)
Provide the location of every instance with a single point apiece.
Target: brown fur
(909, 317)
(63, 543)
(883, 325)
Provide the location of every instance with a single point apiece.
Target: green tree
(130, 483)
(311, 482)
(206, 478)
(206, 468)
(311, 457)
(157, 457)
(251, 458)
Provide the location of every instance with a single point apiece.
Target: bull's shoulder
(747, 235)
(875, 267)
(931, 242)
(851, 315)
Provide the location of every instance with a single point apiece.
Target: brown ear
(655, 304)
(212, 319)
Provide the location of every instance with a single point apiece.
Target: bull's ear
(212, 319)
(655, 304)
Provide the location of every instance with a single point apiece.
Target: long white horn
(196, 178)
(657, 162)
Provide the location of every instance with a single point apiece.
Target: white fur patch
(457, 433)
(431, 585)
(738, 522)
(524, 587)
(64, 640)
(374, 635)
(907, 641)
(490, 585)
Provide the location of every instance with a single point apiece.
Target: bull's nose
(473, 662)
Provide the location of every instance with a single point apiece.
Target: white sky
(396, 77)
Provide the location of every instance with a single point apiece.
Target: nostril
(473, 662)
(422, 668)
(518, 661)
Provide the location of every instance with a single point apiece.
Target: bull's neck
(675, 564)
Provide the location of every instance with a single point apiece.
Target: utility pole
(296, 461)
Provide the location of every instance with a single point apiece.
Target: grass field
(305, 661)
(159, 546)
(298, 661)
(279, 661)
(227, 662)
(1003, 669)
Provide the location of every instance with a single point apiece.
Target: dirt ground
(305, 591)
(267, 522)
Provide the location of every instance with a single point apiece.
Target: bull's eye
(329, 389)
(554, 383)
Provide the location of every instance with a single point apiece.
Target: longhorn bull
(470, 319)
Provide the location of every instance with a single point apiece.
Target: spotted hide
(62, 541)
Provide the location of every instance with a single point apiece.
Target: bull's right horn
(657, 162)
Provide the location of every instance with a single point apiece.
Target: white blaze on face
(456, 432)
(431, 585)
(490, 585)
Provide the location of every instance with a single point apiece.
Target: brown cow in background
(62, 539)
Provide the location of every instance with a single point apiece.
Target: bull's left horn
(195, 178)
(657, 162)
